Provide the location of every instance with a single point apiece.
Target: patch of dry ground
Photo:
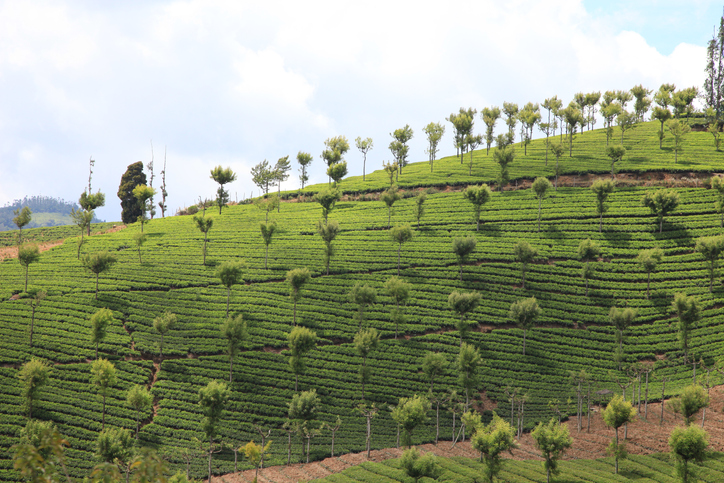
(12, 252)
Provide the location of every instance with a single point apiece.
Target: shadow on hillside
(343, 206)
(617, 239)
(490, 229)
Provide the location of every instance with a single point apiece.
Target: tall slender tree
(365, 342)
(524, 313)
(33, 375)
(539, 187)
(212, 399)
(389, 197)
(163, 324)
(400, 234)
(463, 304)
(204, 224)
(710, 248)
(688, 311)
(621, 319)
(222, 176)
(617, 413)
(304, 160)
(138, 398)
(328, 231)
(103, 376)
(661, 203)
(28, 254)
(281, 174)
(602, 189)
(468, 365)
(649, 259)
(362, 296)
(296, 279)
(490, 117)
(364, 146)
(301, 341)
(230, 273)
(327, 198)
(399, 291)
(552, 440)
(478, 196)
(588, 250)
(434, 132)
(234, 329)
(525, 254)
(267, 233)
(98, 263)
(133, 177)
(22, 218)
(462, 247)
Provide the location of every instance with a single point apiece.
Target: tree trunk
(97, 286)
(540, 201)
(308, 441)
(661, 224)
(138, 424)
(646, 398)
(96, 350)
(389, 216)
(103, 422)
(26, 277)
(524, 333)
(600, 224)
(228, 297)
(289, 448)
(295, 312)
(205, 239)
(369, 435)
(461, 270)
(333, 434)
(364, 368)
(210, 447)
(296, 382)
(266, 256)
(523, 284)
(231, 366)
(399, 249)
(588, 404)
(32, 324)
(437, 423)
(616, 470)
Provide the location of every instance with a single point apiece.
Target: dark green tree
(409, 413)
(263, 174)
(98, 263)
(365, 342)
(710, 248)
(661, 203)
(478, 196)
(281, 174)
(301, 341)
(28, 254)
(362, 296)
(230, 273)
(103, 376)
(235, 331)
(130, 208)
(337, 171)
(162, 324)
(328, 231)
(524, 313)
(22, 218)
(33, 375)
(223, 176)
(687, 445)
(434, 132)
(602, 189)
(621, 319)
(688, 310)
(525, 254)
(139, 399)
(296, 279)
(648, 259)
(100, 321)
(419, 208)
(267, 232)
(389, 197)
(212, 399)
(204, 224)
(400, 234)
(539, 187)
(462, 247)
(399, 290)
(327, 198)
(468, 365)
(304, 160)
(462, 304)
(503, 156)
(588, 250)
(418, 466)
(433, 365)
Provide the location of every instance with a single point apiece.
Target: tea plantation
(573, 332)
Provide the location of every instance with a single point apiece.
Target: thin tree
(27, 254)
(602, 189)
(333, 428)
(503, 157)
(328, 231)
(103, 376)
(615, 153)
(304, 160)
(492, 440)
(409, 413)
(22, 218)
(692, 399)
(222, 176)
(364, 146)
(34, 297)
(212, 399)
(678, 130)
(472, 142)
(255, 454)
(478, 196)
(490, 117)
(462, 304)
(281, 174)
(327, 198)
(621, 319)
(717, 183)
(115, 447)
(649, 259)
(687, 445)
(626, 121)
(389, 197)
(336, 172)
(399, 291)
(235, 331)
(540, 186)
(710, 248)
(162, 324)
(462, 247)
(588, 250)
(33, 375)
(267, 203)
(419, 208)
(230, 274)
(336, 147)
(524, 313)
(365, 341)
(400, 235)
(296, 279)
(688, 310)
(434, 132)
(434, 364)
(617, 413)
(82, 219)
(301, 341)
(552, 440)
(468, 363)
(204, 224)
(138, 398)
(263, 176)
(267, 232)
(368, 412)
(143, 194)
(140, 239)
(524, 254)
(362, 296)
(557, 149)
(100, 321)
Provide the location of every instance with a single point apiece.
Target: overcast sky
(234, 83)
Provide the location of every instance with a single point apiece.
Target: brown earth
(645, 436)
(12, 252)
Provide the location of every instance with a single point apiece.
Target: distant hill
(47, 211)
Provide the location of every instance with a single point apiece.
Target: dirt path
(644, 437)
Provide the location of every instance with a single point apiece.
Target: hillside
(573, 332)
(47, 212)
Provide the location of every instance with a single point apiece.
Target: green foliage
(478, 196)
(140, 239)
(235, 332)
(143, 194)
(130, 207)
(603, 189)
(212, 400)
(99, 326)
(468, 365)
(362, 296)
(262, 175)
(223, 176)
(418, 466)
(552, 439)
(267, 232)
(492, 441)
(304, 160)
(304, 406)
(328, 231)
(301, 341)
(419, 208)
(33, 375)
(27, 254)
(255, 453)
(115, 445)
(162, 324)
(649, 259)
(462, 247)
(409, 413)
(524, 313)
(389, 197)
(22, 218)
(434, 364)
(365, 341)
(400, 234)
(103, 376)
(434, 132)
(337, 172)
(710, 248)
(204, 224)
(462, 304)
(90, 202)
(524, 254)
(687, 445)
(32, 435)
(617, 413)
(98, 263)
(44, 461)
(327, 198)
(693, 398)
(688, 310)
(539, 187)
(230, 273)
(364, 145)
(139, 399)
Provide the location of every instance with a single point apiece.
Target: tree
(304, 160)
(90, 202)
(399, 291)
(409, 413)
(529, 116)
(114, 446)
(138, 398)
(616, 153)
(592, 99)
(22, 218)
(490, 117)
(418, 466)
(164, 193)
(679, 130)
(648, 259)
(552, 439)
(603, 189)
(472, 142)
(463, 125)
(143, 194)
(540, 186)
(688, 311)
(133, 177)
(661, 112)
(327, 198)
(557, 150)
(230, 274)
(267, 203)
(301, 341)
(573, 117)
(389, 197)
(510, 110)
(223, 176)
(462, 304)
(140, 239)
(162, 324)
(281, 174)
(82, 219)
(503, 156)
(235, 331)
(255, 454)
(462, 247)
(617, 413)
(33, 375)
(400, 235)
(713, 127)
(204, 224)
(364, 146)
(212, 399)
(621, 319)
(433, 365)
(336, 147)
(610, 111)
(368, 412)
(710, 248)
(267, 232)
(478, 196)
(103, 376)
(27, 254)
(692, 399)
(688, 444)
(98, 263)
(262, 175)
(365, 341)
(296, 279)
(390, 169)
(333, 428)
(525, 254)
(303, 410)
(337, 172)
(682, 101)
(434, 132)
(551, 104)
(661, 203)
(419, 209)
(362, 296)
(643, 102)
(99, 326)
(524, 313)
(34, 297)
(717, 184)
(328, 232)
(492, 440)
(588, 250)
(468, 363)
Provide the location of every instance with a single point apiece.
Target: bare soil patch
(12, 252)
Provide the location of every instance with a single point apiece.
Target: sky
(231, 83)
